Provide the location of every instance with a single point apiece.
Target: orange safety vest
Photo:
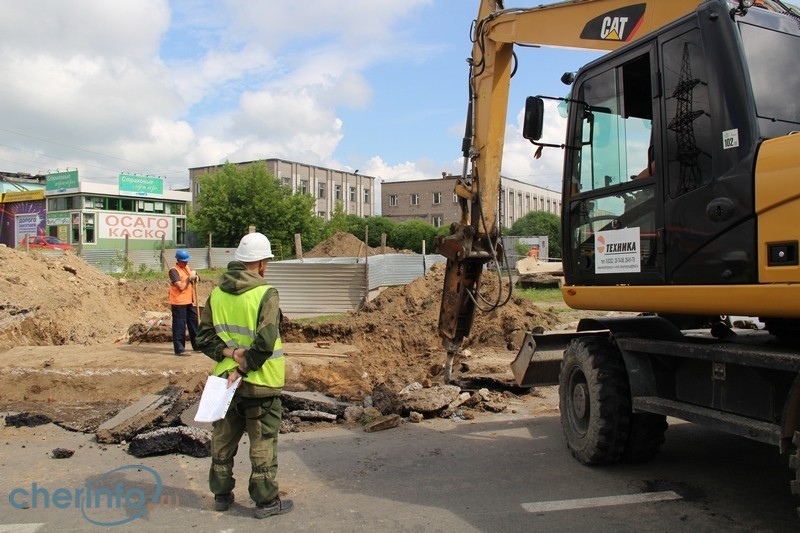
(185, 296)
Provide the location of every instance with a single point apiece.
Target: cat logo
(613, 28)
(617, 25)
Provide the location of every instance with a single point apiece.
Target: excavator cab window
(612, 213)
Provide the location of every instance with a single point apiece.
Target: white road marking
(585, 503)
(20, 528)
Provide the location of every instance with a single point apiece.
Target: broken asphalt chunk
(186, 440)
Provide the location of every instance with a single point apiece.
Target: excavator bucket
(538, 361)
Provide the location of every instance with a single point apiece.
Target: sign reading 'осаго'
(134, 226)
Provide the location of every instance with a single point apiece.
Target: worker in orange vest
(181, 300)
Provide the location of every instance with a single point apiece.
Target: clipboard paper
(216, 399)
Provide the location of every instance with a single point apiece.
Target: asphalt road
(504, 472)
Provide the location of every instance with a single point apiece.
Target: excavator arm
(475, 239)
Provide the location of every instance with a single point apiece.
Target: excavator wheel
(794, 465)
(594, 398)
(645, 437)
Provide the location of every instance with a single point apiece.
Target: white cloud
(88, 85)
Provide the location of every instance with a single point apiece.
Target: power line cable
(79, 149)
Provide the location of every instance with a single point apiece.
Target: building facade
(329, 187)
(434, 201)
(136, 210)
(22, 207)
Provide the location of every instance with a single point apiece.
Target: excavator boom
(585, 24)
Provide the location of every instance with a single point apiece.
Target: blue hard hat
(182, 255)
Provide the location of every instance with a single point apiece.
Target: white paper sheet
(215, 400)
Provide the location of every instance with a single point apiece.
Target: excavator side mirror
(534, 118)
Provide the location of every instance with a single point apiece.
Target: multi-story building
(355, 191)
(435, 202)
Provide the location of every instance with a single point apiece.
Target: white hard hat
(253, 247)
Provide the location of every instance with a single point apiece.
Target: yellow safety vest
(235, 318)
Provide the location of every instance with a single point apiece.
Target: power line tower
(682, 125)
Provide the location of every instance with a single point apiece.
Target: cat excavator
(680, 201)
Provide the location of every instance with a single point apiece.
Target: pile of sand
(343, 244)
(63, 300)
(397, 333)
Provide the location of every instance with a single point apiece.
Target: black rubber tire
(594, 399)
(645, 437)
(794, 465)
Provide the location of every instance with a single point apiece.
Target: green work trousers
(261, 417)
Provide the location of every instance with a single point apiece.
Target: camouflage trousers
(261, 418)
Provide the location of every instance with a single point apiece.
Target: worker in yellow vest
(240, 330)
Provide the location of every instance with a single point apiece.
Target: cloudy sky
(159, 86)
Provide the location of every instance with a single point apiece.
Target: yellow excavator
(681, 196)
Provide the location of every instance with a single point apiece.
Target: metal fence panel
(108, 261)
(398, 269)
(318, 288)
(328, 285)
(384, 270)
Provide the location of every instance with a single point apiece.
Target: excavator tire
(645, 437)
(594, 399)
(794, 465)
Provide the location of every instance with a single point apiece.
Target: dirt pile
(64, 326)
(397, 335)
(343, 244)
(57, 300)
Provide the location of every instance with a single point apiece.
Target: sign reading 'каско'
(117, 226)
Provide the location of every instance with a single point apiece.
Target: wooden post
(163, 252)
(424, 268)
(210, 259)
(251, 229)
(383, 244)
(127, 244)
(298, 247)
(366, 242)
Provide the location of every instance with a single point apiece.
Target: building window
(352, 194)
(414, 199)
(321, 214)
(287, 181)
(321, 190)
(303, 187)
(337, 191)
(393, 200)
(180, 231)
(437, 199)
(366, 196)
(436, 220)
(88, 228)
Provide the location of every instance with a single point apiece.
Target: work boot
(222, 502)
(276, 506)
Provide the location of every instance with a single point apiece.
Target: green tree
(409, 234)
(341, 221)
(378, 225)
(236, 197)
(538, 223)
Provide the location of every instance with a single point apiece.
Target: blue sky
(159, 86)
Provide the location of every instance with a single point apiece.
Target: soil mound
(343, 244)
(397, 332)
(54, 300)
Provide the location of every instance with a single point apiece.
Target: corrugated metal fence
(311, 286)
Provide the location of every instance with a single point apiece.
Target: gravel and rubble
(79, 347)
